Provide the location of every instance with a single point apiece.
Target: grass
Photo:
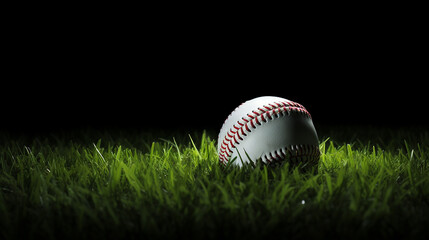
(121, 185)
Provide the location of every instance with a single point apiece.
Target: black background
(190, 72)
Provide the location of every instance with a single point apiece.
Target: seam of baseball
(256, 117)
(292, 151)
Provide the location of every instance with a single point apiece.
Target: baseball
(273, 130)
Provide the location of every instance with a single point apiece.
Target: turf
(369, 183)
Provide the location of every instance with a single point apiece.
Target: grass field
(370, 183)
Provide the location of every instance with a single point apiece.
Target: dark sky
(184, 78)
(184, 99)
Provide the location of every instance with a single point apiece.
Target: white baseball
(271, 129)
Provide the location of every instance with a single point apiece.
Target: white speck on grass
(303, 202)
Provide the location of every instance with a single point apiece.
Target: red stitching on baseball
(269, 115)
(293, 151)
(262, 118)
(247, 128)
(251, 123)
(257, 122)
